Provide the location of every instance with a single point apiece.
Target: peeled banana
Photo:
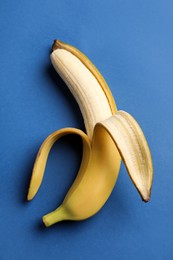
(110, 136)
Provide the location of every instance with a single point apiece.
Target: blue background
(131, 42)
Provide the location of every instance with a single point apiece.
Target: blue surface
(131, 43)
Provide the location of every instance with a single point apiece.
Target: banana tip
(146, 197)
(31, 194)
(46, 223)
(56, 45)
(29, 197)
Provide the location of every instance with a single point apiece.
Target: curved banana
(109, 135)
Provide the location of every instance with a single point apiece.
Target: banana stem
(54, 217)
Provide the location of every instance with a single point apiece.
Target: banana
(111, 135)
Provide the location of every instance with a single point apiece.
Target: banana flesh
(85, 87)
(111, 135)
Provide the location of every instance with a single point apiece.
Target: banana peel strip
(43, 153)
(133, 148)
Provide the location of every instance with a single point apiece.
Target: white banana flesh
(111, 135)
(84, 87)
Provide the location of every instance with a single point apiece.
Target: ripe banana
(111, 135)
